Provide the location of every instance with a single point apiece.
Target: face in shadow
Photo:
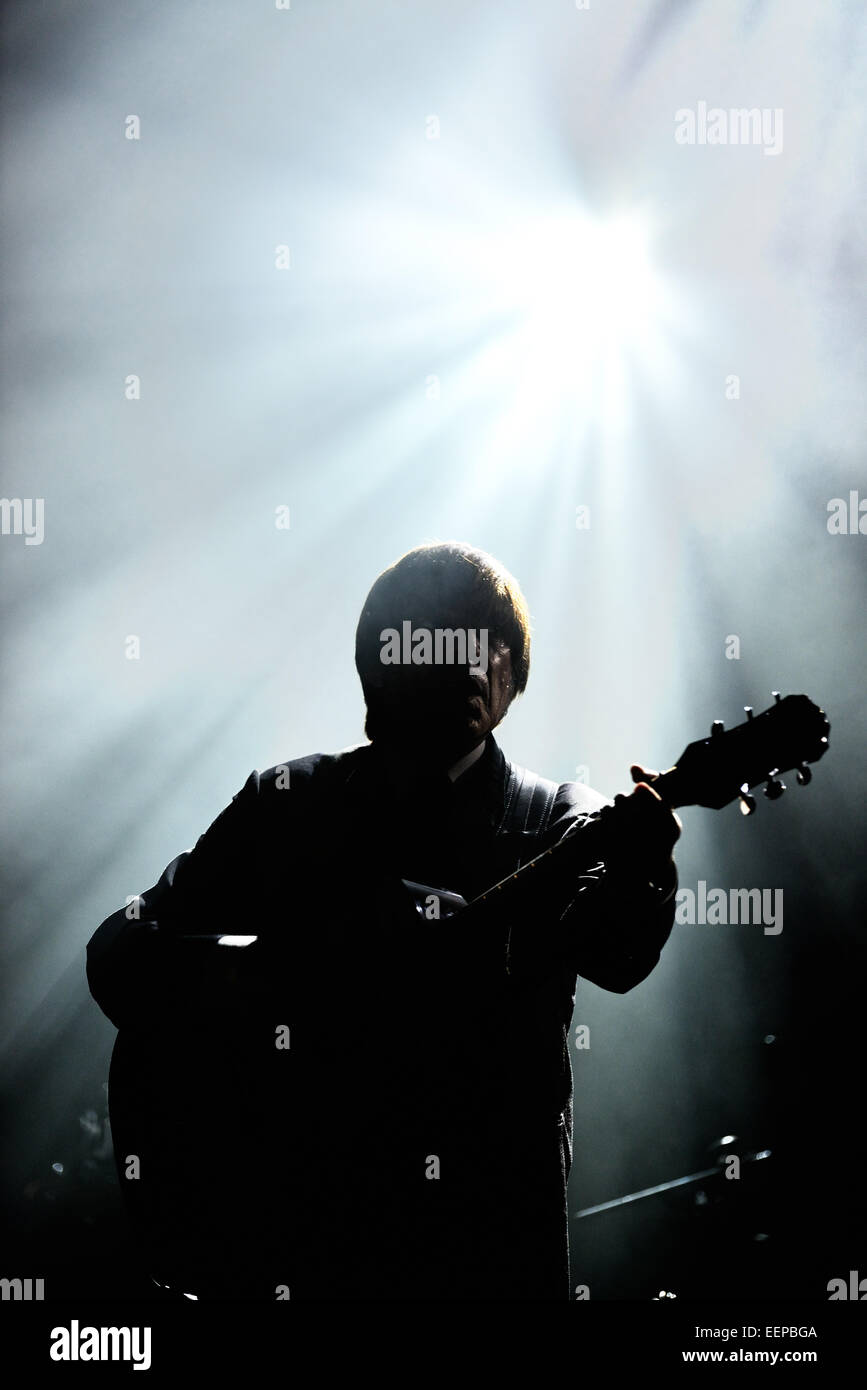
(442, 712)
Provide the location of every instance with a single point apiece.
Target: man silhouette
(374, 1100)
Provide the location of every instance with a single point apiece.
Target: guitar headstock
(716, 770)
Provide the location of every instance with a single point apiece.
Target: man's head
(442, 648)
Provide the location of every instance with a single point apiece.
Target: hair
(440, 584)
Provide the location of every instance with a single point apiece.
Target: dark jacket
(414, 1138)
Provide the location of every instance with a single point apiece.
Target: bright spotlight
(588, 284)
(581, 306)
(583, 286)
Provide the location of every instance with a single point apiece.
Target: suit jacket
(368, 1103)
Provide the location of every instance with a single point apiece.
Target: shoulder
(579, 799)
(574, 802)
(533, 802)
(314, 769)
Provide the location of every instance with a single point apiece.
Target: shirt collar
(484, 778)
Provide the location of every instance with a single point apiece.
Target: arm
(134, 964)
(619, 913)
(618, 928)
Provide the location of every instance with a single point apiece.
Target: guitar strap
(528, 803)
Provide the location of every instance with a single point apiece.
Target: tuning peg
(748, 803)
(774, 789)
(777, 696)
(803, 775)
(748, 711)
(717, 727)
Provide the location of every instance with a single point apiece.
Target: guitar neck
(582, 848)
(578, 851)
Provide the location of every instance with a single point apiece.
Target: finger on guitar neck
(642, 774)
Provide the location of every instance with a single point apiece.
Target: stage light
(580, 307)
(588, 284)
(582, 288)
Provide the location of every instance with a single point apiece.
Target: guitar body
(227, 1125)
(190, 1104)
